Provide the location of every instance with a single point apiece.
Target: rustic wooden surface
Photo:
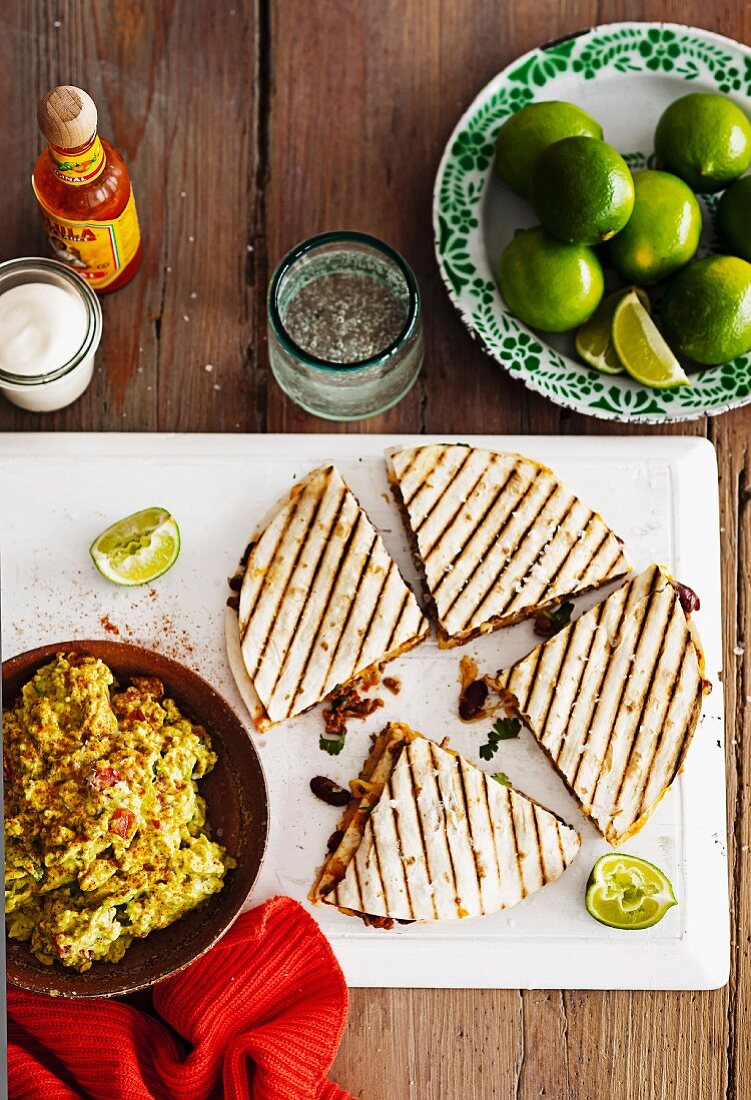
(248, 125)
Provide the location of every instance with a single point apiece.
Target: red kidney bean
(473, 700)
(689, 600)
(329, 792)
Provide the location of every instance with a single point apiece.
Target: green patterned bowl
(624, 74)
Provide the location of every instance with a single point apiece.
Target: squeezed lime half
(628, 892)
(137, 549)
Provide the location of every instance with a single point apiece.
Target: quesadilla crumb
(344, 703)
(369, 677)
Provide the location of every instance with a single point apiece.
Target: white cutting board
(58, 491)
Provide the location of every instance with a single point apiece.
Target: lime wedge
(594, 341)
(642, 349)
(628, 892)
(137, 549)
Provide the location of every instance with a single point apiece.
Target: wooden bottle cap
(67, 117)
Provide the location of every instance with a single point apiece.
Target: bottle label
(99, 250)
(83, 167)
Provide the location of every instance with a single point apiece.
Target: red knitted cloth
(261, 1016)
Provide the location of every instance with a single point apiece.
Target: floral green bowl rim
(688, 54)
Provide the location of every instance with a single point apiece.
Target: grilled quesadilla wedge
(497, 536)
(428, 836)
(321, 600)
(614, 700)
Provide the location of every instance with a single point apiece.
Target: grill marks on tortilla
(440, 800)
(343, 633)
(560, 663)
(445, 840)
(321, 599)
(614, 699)
(491, 526)
(398, 619)
(495, 845)
(498, 536)
(618, 682)
(252, 586)
(335, 577)
(510, 565)
(277, 600)
(670, 752)
(479, 868)
(432, 549)
(421, 830)
(633, 751)
(377, 870)
(520, 869)
(426, 486)
(389, 794)
(320, 552)
(560, 520)
(364, 633)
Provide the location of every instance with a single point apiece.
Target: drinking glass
(345, 326)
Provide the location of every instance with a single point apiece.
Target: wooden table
(249, 125)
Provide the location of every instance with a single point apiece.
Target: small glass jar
(345, 326)
(59, 384)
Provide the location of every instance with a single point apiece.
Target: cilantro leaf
(502, 778)
(504, 729)
(332, 745)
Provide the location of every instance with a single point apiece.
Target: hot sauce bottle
(84, 191)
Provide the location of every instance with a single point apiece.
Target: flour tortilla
(433, 837)
(498, 537)
(615, 699)
(321, 601)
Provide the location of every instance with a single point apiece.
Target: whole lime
(705, 139)
(582, 190)
(523, 137)
(548, 284)
(707, 310)
(662, 234)
(734, 218)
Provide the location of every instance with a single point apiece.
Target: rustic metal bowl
(237, 804)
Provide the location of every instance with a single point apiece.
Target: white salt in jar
(50, 328)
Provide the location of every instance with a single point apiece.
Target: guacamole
(106, 835)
